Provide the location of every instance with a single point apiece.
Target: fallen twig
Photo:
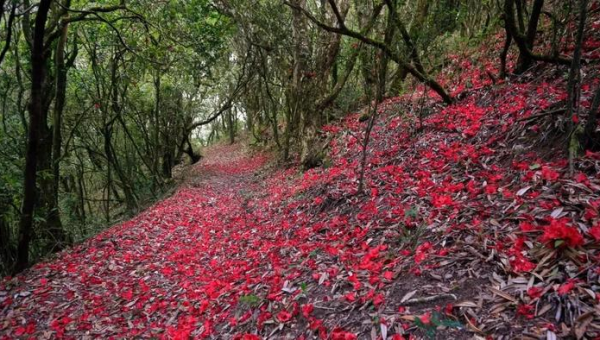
(429, 299)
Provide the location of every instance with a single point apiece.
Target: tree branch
(343, 30)
(9, 31)
(521, 39)
(241, 83)
(329, 98)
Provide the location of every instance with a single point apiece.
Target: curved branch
(521, 39)
(343, 30)
(412, 48)
(215, 115)
(241, 83)
(329, 98)
(121, 39)
(9, 31)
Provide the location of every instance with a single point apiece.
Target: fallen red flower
(284, 316)
(559, 234)
(340, 334)
(527, 311)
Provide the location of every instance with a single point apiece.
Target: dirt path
(163, 273)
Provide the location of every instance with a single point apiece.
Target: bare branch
(9, 32)
(338, 15)
(383, 47)
(242, 81)
(521, 39)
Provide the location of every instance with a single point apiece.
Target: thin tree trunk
(9, 28)
(7, 246)
(521, 40)
(302, 86)
(525, 60)
(61, 239)
(590, 139)
(380, 90)
(231, 126)
(574, 89)
(504, 54)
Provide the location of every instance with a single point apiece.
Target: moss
(574, 145)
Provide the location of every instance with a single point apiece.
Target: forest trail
(160, 273)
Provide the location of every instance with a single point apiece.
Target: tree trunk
(524, 62)
(574, 89)
(194, 157)
(302, 86)
(53, 220)
(366, 55)
(38, 75)
(380, 90)
(422, 11)
(522, 40)
(7, 247)
(231, 125)
(504, 54)
(590, 139)
(156, 154)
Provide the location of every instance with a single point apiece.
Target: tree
(412, 68)
(88, 132)
(8, 17)
(574, 88)
(38, 75)
(525, 40)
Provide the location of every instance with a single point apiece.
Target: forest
(300, 169)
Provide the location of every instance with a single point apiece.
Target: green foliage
(251, 300)
(411, 237)
(140, 76)
(436, 320)
(413, 212)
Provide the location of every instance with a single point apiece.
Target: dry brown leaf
(467, 304)
(471, 326)
(503, 294)
(408, 296)
(522, 192)
(544, 309)
(582, 323)
(408, 317)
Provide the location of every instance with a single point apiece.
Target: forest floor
(458, 236)
(470, 227)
